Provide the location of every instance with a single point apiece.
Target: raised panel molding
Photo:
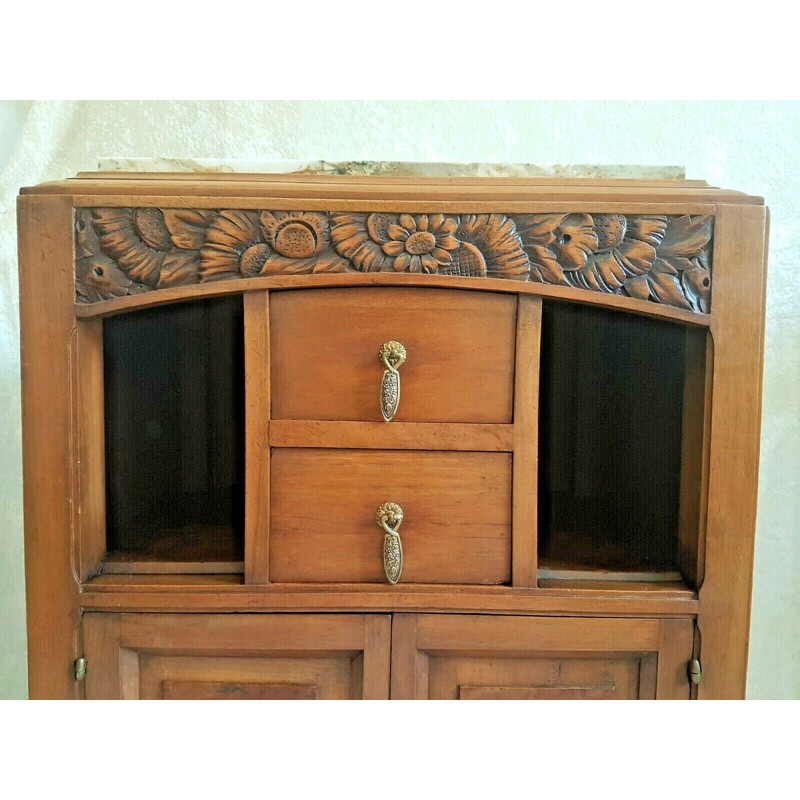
(661, 259)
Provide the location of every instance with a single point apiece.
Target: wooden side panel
(737, 327)
(526, 442)
(46, 285)
(459, 345)
(247, 656)
(89, 443)
(477, 657)
(694, 455)
(257, 460)
(456, 506)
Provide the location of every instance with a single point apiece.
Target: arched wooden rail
(179, 294)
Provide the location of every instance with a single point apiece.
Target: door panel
(441, 656)
(243, 656)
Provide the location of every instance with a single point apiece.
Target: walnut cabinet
(317, 437)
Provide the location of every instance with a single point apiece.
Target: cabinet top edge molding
(492, 190)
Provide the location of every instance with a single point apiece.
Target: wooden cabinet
(501, 435)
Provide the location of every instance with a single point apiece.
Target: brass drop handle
(390, 517)
(392, 355)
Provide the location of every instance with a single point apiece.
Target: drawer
(459, 346)
(456, 524)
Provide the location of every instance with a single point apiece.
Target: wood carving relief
(663, 259)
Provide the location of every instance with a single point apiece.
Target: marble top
(397, 168)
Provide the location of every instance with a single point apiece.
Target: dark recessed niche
(610, 423)
(174, 411)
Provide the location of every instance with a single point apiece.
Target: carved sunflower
(300, 241)
(489, 246)
(404, 242)
(626, 247)
(249, 243)
(139, 240)
(136, 238)
(234, 247)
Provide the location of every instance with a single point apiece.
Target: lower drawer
(456, 515)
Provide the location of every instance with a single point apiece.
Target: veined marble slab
(399, 168)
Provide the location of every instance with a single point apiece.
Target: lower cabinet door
(237, 656)
(459, 657)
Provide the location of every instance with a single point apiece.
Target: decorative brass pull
(390, 516)
(392, 355)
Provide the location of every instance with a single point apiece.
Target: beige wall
(754, 147)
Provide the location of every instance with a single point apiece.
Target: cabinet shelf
(190, 550)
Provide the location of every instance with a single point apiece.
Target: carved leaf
(87, 242)
(180, 267)
(328, 261)
(686, 236)
(649, 229)
(544, 266)
(663, 284)
(696, 283)
(538, 229)
(601, 273)
(99, 278)
(187, 227)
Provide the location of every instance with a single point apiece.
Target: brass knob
(392, 355)
(390, 517)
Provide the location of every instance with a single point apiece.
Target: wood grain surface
(457, 509)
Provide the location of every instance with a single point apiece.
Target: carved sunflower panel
(660, 259)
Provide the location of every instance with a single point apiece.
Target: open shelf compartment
(619, 447)
(174, 436)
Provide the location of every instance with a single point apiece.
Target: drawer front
(459, 353)
(456, 507)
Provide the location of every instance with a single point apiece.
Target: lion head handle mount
(390, 517)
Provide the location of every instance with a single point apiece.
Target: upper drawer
(459, 345)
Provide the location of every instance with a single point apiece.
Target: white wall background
(754, 147)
